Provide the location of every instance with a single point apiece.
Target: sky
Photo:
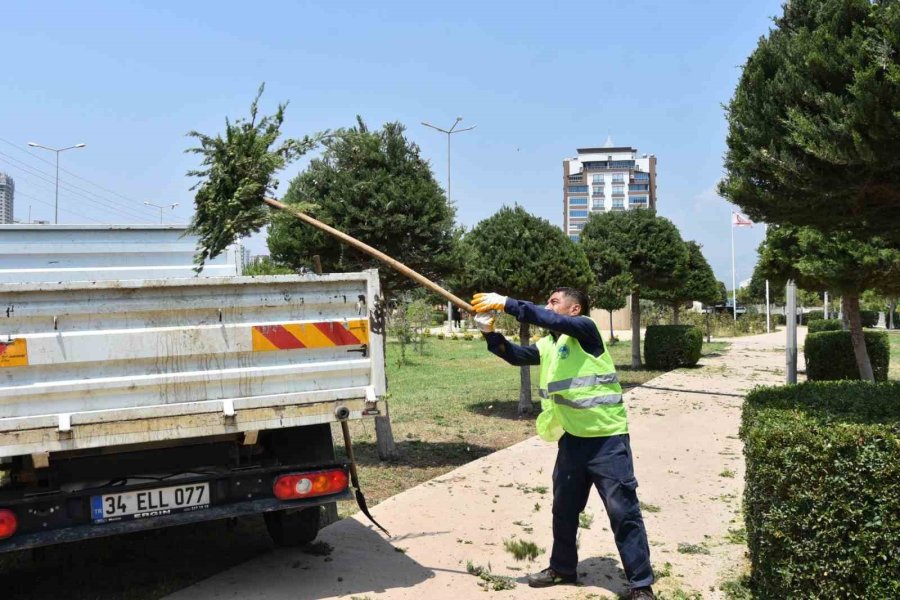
(537, 80)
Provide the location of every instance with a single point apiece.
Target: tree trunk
(892, 306)
(845, 323)
(611, 333)
(675, 310)
(851, 306)
(526, 407)
(635, 330)
(384, 435)
(387, 449)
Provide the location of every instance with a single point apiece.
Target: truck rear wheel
(293, 527)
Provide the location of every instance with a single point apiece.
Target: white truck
(132, 404)
(104, 252)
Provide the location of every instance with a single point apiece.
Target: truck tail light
(293, 486)
(8, 523)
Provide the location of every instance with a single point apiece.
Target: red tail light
(293, 486)
(8, 523)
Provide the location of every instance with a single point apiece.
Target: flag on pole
(738, 220)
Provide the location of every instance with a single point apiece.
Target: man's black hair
(578, 297)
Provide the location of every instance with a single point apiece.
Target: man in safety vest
(581, 410)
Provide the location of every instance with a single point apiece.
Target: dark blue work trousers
(606, 463)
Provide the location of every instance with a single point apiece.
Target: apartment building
(7, 192)
(604, 179)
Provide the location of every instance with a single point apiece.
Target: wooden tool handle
(394, 264)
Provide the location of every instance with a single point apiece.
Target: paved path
(684, 428)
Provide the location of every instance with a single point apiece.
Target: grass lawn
(894, 369)
(449, 406)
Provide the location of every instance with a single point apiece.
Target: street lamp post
(449, 132)
(57, 150)
(161, 208)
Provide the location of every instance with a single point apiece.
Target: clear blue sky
(539, 79)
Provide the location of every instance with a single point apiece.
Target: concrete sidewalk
(688, 461)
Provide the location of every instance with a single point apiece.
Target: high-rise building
(606, 179)
(7, 191)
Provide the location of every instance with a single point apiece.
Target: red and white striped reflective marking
(325, 334)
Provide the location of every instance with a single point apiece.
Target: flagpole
(733, 283)
(768, 305)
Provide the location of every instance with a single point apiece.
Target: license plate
(149, 503)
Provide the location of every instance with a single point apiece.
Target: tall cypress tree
(838, 262)
(647, 248)
(814, 124)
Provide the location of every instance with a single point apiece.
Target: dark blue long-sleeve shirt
(581, 328)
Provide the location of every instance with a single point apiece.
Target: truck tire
(293, 527)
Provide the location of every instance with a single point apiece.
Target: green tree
(819, 261)
(374, 186)
(238, 171)
(611, 295)
(264, 265)
(522, 256)
(646, 247)
(814, 124)
(722, 296)
(755, 292)
(699, 283)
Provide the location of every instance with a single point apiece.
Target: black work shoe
(643, 593)
(549, 577)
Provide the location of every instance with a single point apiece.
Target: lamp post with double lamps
(57, 150)
(161, 208)
(449, 132)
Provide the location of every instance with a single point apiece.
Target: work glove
(482, 302)
(485, 321)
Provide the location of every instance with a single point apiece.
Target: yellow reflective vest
(580, 393)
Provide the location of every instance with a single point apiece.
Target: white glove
(485, 321)
(482, 302)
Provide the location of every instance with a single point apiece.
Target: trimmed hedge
(814, 315)
(821, 499)
(825, 325)
(869, 318)
(672, 346)
(829, 355)
(778, 319)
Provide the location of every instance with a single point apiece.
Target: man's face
(563, 305)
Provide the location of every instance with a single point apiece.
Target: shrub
(672, 346)
(829, 355)
(778, 319)
(869, 318)
(468, 337)
(825, 325)
(440, 336)
(821, 497)
(724, 325)
(814, 315)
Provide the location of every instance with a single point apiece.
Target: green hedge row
(822, 498)
(825, 325)
(813, 315)
(778, 319)
(829, 355)
(672, 346)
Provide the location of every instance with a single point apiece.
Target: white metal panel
(106, 352)
(110, 252)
